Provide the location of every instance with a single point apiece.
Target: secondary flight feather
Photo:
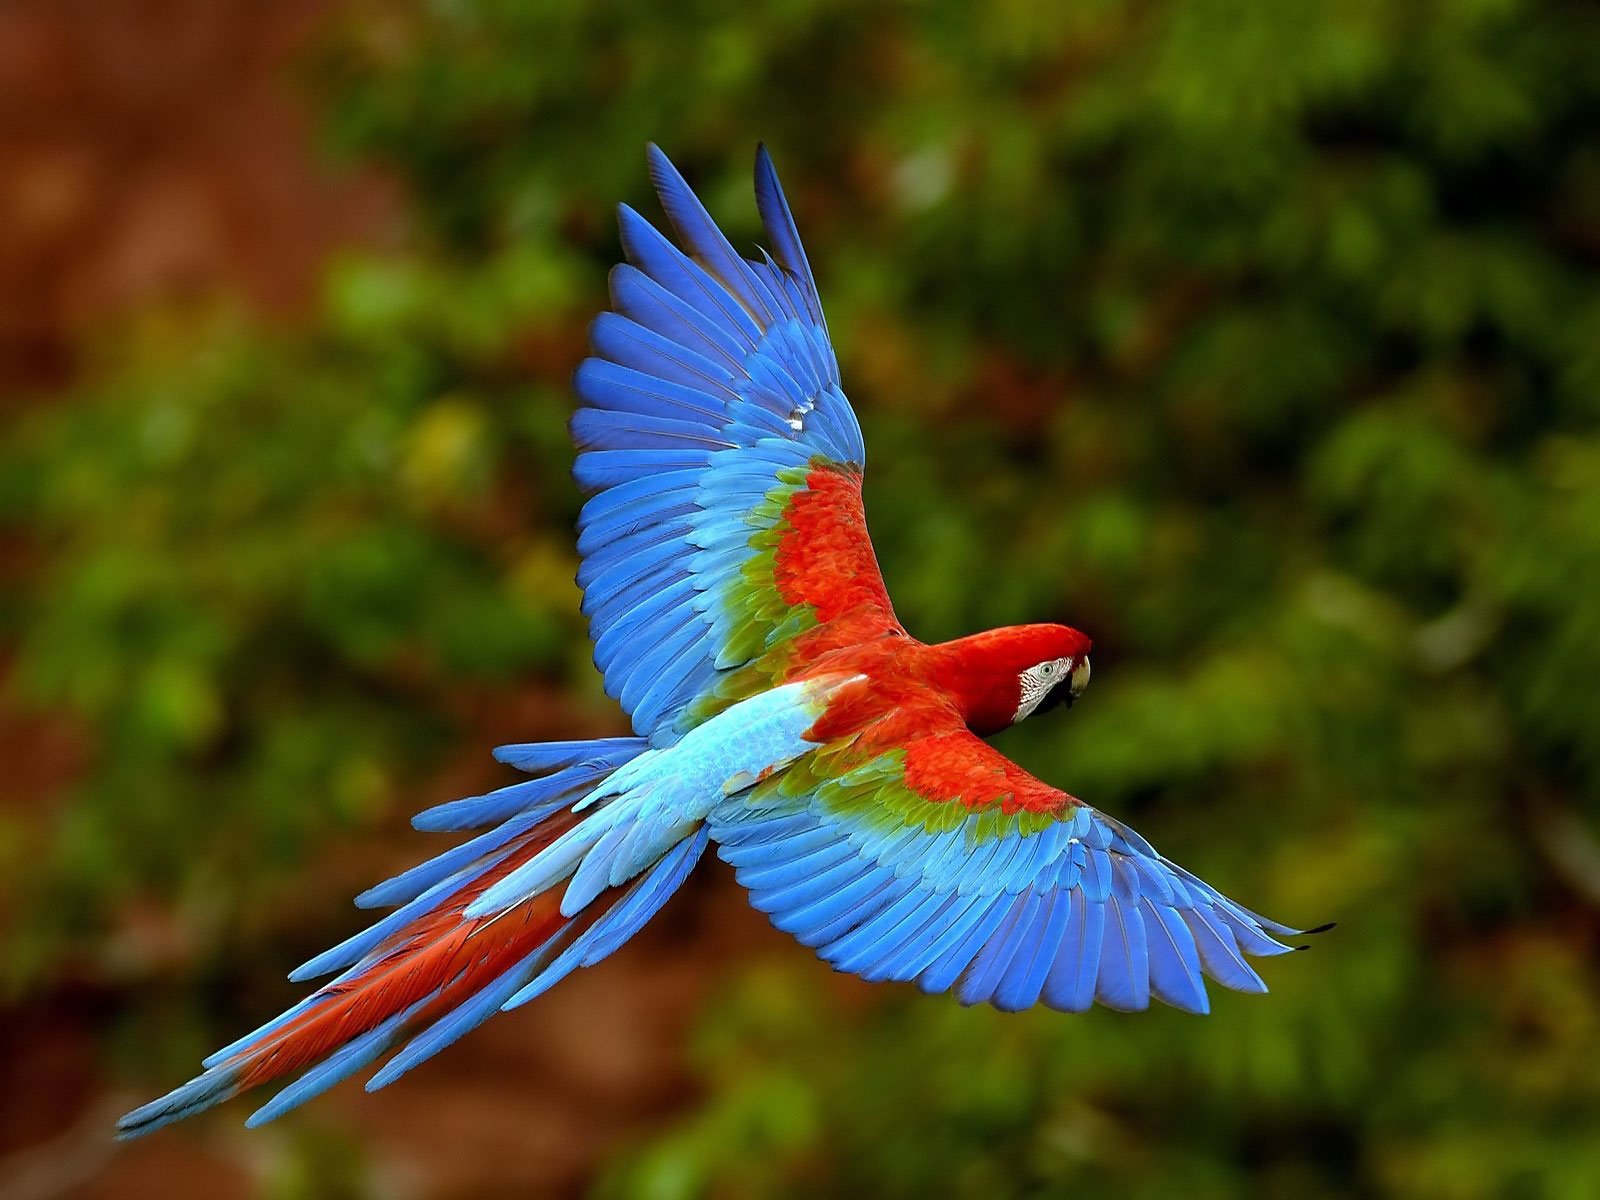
(781, 714)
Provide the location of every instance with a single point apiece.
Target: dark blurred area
(1262, 342)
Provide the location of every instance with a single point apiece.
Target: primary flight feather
(780, 711)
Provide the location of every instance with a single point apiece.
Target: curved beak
(1079, 679)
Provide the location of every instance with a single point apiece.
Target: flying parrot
(781, 714)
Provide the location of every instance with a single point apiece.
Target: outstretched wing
(724, 466)
(933, 858)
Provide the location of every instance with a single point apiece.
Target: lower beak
(1061, 697)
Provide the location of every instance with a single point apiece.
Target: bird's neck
(977, 673)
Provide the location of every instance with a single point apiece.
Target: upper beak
(1080, 678)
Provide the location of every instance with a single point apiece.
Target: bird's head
(1002, 676)
(1050, 683)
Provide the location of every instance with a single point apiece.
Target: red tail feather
(438, 953)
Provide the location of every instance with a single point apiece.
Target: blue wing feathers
(1175, 972)
(680, 678)
(786, 858)
(1097, 875)
(840, 898)
(643, 506)
(750, 837)
(1219, 954)
(1155, 881)
(638, 431)
(983, 974)
(621, 526)
(714, 374)
(1124, 878)
(946, 865)
(958, 946)
(598, 469)
(780, 226)
(699, 232)
(603, 576)
(764, 881)
(649, 667)
(684, 278)
(1124, 981)
(1250, 937)
(619, 387)
(1024, 979)
(881, 940)
(651, 594)
(932, 940)
(778, 278)
(617, 339)
(635, 610)
(817, 886)
(663, 672)
(862, 905)
(1077, 912)
(1069, 984)
(645, 302)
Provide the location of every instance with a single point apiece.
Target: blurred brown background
(157, 150)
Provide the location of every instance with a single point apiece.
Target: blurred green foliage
(1261, 341)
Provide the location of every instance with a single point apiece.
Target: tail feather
(461, 1021)
(613, 925)
(337, 1067)
(434, 969)
(441, 958)
(542, 756)
(638, 903)
(525, 799)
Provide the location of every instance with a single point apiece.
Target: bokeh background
(1260, 340)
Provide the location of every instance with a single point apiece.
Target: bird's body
(780, 711)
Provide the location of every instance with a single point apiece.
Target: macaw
(781, 713)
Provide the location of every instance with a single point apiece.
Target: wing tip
(664, 173)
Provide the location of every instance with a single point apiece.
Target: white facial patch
(1037, 683)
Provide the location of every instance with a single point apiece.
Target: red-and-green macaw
(781, 713)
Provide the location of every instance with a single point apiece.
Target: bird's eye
(1047, 669)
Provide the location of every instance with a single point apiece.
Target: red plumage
(437, 953)
(933, 701)
(825, 558)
